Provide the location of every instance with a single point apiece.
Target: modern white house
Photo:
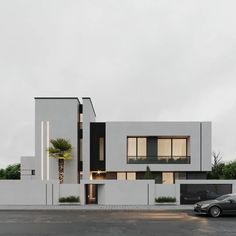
(110, 158)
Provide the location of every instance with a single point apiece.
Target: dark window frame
(158, 137)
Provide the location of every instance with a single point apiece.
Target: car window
(233, 198)
(223, 197)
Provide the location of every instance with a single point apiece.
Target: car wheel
(215, 211)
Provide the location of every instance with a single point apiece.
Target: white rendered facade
(101, 150)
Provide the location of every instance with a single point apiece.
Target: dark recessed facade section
(196, 175)
(97, 146)
(80, 108)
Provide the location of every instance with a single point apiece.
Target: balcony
(158, 160)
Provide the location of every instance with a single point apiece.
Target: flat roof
(58, 98)
(91, 104)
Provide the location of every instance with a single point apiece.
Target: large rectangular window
(157, 150)
(132, 147)
(179, 147)
(164, 147)
(142, 147)
(137, 147)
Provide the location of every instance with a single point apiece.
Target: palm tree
(61, 149)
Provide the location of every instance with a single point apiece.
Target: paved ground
(126, 222)
(97, 207)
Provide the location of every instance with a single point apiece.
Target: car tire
(215, 211)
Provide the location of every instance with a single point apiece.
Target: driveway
(126, 222)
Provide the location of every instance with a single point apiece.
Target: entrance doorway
(91, 193)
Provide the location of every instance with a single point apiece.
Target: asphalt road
(114, 223)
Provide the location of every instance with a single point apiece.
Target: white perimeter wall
(66, 190)
(110, 192)
(122, 192)
(17, 192)
(165, 190)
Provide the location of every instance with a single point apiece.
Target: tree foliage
(11, 172)
(229, 170)
(60, 149)
(148, 173)
(221, 170)
(217, 167)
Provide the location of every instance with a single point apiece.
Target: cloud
(138, 60)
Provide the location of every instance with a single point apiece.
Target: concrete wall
(88, 116)
(206, 147)
(101, 194)
(116, 144)
(55, 118)
(27, 165)
(17, 192)
(66, 190)
(122, 192)
(165, 190)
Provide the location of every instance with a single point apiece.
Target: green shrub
(165, 199)
(69, 199)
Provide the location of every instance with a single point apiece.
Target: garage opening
(192, 193)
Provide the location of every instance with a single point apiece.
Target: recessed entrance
(91, 193)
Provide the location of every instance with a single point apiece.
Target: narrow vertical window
(81, 120)
(81, 117)
(132, 147)
(101, 149)
(81, 150)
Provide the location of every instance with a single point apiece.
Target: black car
(225, 204)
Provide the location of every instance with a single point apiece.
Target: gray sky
(137, 60)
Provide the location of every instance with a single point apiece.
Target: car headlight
(204, 205)
(195, 205)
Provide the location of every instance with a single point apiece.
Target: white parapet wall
(32, 192)
(165, 190)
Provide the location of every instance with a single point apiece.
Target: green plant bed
(69, 199)
(165, 200)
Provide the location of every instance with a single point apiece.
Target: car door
(229, 205)
(234, 204)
